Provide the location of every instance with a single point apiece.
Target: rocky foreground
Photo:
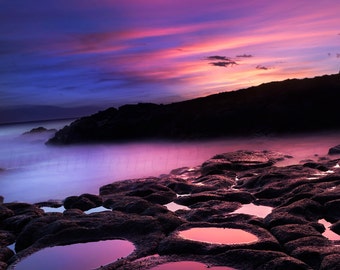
(290, 237)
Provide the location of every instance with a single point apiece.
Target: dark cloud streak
(222, 61)
(262, 67)
(244, 56)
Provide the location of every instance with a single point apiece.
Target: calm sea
(34, 172)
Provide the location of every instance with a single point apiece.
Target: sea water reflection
(84, 256)
(35, 172)
(215, 235)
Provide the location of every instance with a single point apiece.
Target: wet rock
(277, 178)
(197, 198)
(218, 181)
(186, 173)
(181, 187)
(289, 232)
(240, 161)
(223, 206)
(284, 263)
(309, 241)
(50, 203)
(3, 265)
(83, 202)
(148, 188)
(201, 214)
(73, 212)
(327, 195)
(317, 166)
(5, 254)
(243, 197)
(155, 210)
(154, 194)
(260, 259)
(330, 262)
(17, 223)
(24, 209)
(303, 191)
(6, 238)
(126, 204)
(230, 196)
(313, 256)
(5, 212)
(305, 208)
(335, 150)
(333, 209)
(72, 229)
(169, 222)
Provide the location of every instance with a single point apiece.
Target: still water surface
(34, 172)
(83, 256)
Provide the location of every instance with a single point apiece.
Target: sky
(73, 53)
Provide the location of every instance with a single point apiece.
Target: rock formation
(277, 107)
(290, 237)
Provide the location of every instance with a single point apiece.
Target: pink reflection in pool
(82, 256)
(328, 233)
(255, 210)
(187, 265)
(216, 235)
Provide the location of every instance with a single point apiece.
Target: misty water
(34, 172)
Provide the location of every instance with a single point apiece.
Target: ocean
(34, 172)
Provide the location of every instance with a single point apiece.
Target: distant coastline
(38, 121)
(289, 106)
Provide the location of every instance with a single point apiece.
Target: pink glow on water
(34, 172)
(77, 257)
(188, 265)
(256, 210)
(328, 233)
(216, 235)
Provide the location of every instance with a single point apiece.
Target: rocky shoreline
(286, 107)
(290, 237)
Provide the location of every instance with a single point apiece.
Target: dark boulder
(332, 209)
(6, 238)
(336, 227)
(240, 161)
(5, 212)
(261, 260)
(330, 262)
(306, 208)
(5, 254)
(310, 241)
(83, 202)
(314, 255)
(39, 130)
(334, 150)
(73, 212)
(24, 209)
(289, 232)
(283, 263)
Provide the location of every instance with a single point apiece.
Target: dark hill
(295, 105)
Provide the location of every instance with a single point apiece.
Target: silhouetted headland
(290, 106)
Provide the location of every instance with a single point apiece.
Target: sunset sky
(71, 53)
